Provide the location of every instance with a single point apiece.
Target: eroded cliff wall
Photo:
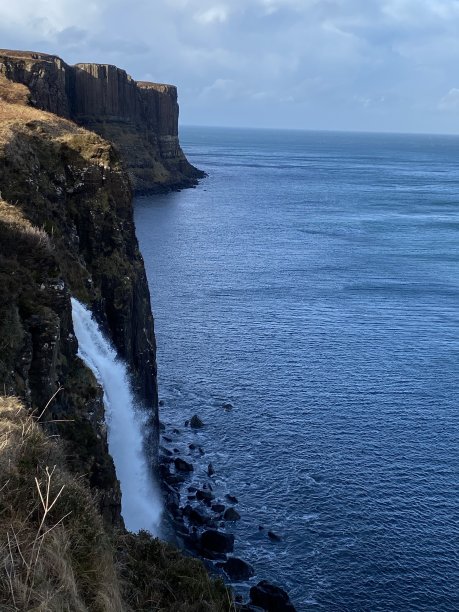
(66, 228)
(140, 119)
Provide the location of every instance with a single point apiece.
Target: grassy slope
(55, 551)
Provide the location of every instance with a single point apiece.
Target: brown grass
(54, 552)
(34, 237)
(13, 93)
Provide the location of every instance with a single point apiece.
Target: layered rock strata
(139, 118)
(66, 228)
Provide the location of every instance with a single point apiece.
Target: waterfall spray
(141, 504)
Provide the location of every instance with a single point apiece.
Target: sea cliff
(139, 118)
(75, 143)
(66, 229)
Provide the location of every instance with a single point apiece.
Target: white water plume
(141, 504)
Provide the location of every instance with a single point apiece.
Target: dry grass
(32, 236)
(17, 116)
(54, 552)
(13, 93)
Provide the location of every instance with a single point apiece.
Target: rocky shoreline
(201, 516)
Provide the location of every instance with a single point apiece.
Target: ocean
(312, 281)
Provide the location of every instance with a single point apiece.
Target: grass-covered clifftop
(140, 118)
(66, 228)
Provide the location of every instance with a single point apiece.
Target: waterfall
(141, 504)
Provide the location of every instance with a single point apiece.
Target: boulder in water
(195, 422)
(198, 517)
(231, 515)
(217, 541)
(270, 597)
(204, 495)
(237, 569)
(182, 465)
(274, 537)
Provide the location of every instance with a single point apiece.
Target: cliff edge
(66, 229)
(139, 118)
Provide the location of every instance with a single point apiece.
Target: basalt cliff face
(66, 228)
(139, 118)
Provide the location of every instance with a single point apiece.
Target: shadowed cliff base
(139, 118)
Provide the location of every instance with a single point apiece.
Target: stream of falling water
(141, 499)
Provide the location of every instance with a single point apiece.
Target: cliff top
(33, 55)
(162, 87)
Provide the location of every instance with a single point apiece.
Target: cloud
(450, 102)
(215, 14)
(246, 61)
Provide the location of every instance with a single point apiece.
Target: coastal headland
(76, 143)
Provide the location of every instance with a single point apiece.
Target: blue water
(312, 280)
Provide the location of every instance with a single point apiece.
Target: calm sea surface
(312, 280)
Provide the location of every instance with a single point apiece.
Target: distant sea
(312, 281)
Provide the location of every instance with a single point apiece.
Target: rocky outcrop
(139, 118)
(66, 228)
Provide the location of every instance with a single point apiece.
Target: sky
(372, 65)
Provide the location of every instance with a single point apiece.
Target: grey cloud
(356, 64)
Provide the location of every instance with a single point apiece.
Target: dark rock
(261, 528)
(175, 510)
(164, 472)
(237, 569)
(176, 480)
(198, 517)
(167, 439)
(166, 451)
(182, 465)
(195, 422)
(227, 406)
(274, 537)
(161, 403)
(270, 597)
(231, 498)
(162, 427)
(168, 477)
(192, 489)
(217, 541)
(204, 495)
(210, 470)
(171, 496)
(218, 508)
(176, 432)
(231, 515)
(191, 497)
(176, 450)
(192, 446)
